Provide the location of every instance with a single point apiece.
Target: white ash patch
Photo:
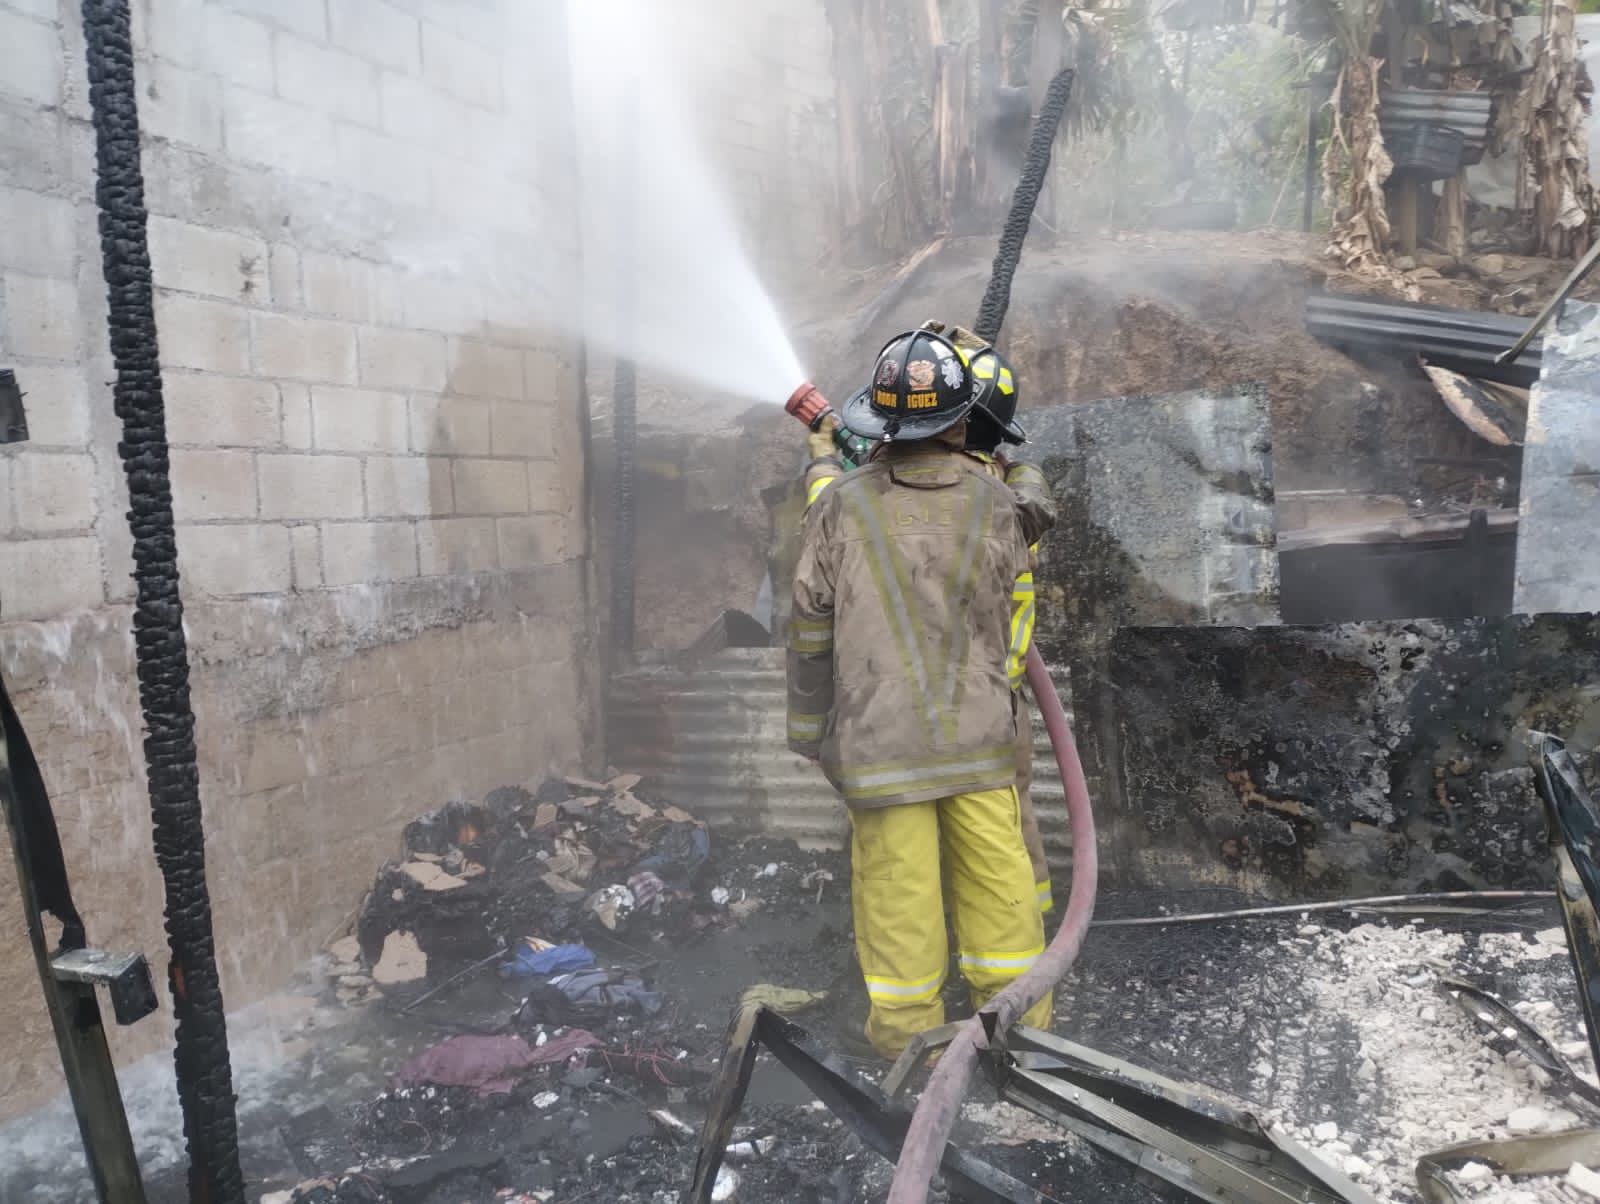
(1423, 1079)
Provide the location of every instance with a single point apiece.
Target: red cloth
(490, 1064)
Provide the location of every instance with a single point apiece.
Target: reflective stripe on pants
(896, 854)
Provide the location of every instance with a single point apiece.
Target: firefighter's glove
(819, 443)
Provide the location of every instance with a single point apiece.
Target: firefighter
(992, 421)
(897, 686)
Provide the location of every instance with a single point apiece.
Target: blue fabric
(561, 959)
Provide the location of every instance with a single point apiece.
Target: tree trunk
(993, 179)
(1555, 159)
(1356, 166)
(854, 91)
(954, 162)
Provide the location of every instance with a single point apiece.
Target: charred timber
(205, 1078)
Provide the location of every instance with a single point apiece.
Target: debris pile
(565, 960)
(477, 880)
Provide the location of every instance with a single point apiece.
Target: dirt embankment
(1104, 316)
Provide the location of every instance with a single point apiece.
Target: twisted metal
(205, 1078)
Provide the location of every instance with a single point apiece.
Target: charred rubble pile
(569, 959)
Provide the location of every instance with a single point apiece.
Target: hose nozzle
(808, 405)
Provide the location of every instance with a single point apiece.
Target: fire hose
(935, 1116)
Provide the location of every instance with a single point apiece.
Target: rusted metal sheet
(711, 736)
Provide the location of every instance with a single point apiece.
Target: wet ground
(1309, 1020)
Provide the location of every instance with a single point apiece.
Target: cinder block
(408, 486)
(34, 57)
(308, 17)
(305, 554)
(337, 286)
(431, 303)
(196, 259)
(389, 288)
(490, 486)
(209, 335)
(44, 10)
(450, 426)
(53, 493)
(213, 484)
(417, 113)
(41, 318)
(294, 486)
(287, 137)
(288, 289)
(534, 541)
(378, 32)
(57, 400)
(45, 150)
(38, 234)
(235, 558)
(330, 80)
(486, 196)
(297, 428)
(484, 370)
(382, 166)
(180, 104)
(402, 359)
(174, 31)
(457, 545)
(46, 578)
(236, 47)
(546, 376)
(220, 411)
(521, 428)
(358, 420)
(454, 65)
(549, 489)
(357, 553)
(304, 348)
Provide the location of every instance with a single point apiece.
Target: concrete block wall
(378, 455)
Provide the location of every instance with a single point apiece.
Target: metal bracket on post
(126, 977)
(70, 975)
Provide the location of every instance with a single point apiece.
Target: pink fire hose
(923, 1149)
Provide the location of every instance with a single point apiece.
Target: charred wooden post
(205, 1078)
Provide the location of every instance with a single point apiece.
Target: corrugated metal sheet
(711, 737)
(1467, 112)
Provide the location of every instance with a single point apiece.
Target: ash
(532, 1006)
(1336, 1031)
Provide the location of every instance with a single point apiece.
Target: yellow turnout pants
(896, 854)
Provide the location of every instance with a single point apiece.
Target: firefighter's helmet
(994, 407)
(921, 387)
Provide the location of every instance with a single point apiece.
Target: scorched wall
(379, 454)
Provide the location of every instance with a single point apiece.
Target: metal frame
(878, 1120)
(1178, 1132)
(69, 976)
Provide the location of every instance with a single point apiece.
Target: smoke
(656, 270)
(669, 280)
